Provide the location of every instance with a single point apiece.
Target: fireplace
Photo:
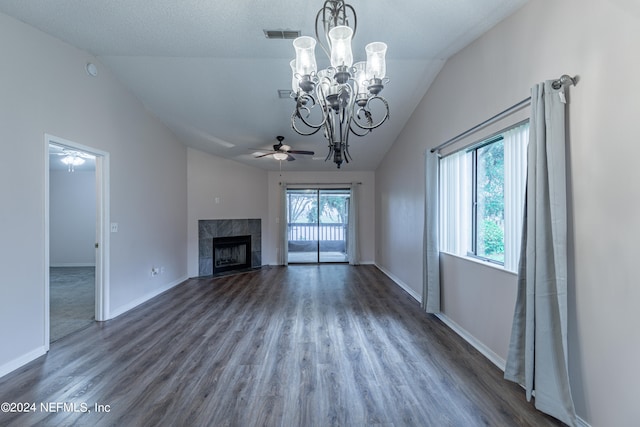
(231, 253)
(209, 229)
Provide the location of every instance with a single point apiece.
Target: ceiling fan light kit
(282, 151)
(70, 158)
(343, 93)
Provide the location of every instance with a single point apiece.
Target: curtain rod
(320, 183)
(556, 84)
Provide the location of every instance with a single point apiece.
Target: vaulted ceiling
(206, 69)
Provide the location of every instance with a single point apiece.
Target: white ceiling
(207, 71)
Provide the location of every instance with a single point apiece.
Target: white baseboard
(486, 351)
(21, 361)
(400, 283)
(132, 304)
(483, 349)
(475, 343)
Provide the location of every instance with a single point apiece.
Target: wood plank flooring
(307, 345)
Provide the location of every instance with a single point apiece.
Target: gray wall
(598, 40)
(72, 218)
(222, 189)
(46, 90)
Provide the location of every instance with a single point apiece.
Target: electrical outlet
(154, 271)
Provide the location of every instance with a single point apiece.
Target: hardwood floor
(307, 345)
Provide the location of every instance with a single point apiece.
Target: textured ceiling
(206, 69)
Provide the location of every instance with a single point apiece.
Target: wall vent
(281, 34)
(284, 93)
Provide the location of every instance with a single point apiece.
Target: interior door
(98, 242)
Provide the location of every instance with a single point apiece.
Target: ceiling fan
(282, 151)
(70, 157)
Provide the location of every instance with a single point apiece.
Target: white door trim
(102, 229)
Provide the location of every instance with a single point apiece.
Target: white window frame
(456, 196)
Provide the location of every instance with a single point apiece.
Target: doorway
(75, 238)
(317, 225)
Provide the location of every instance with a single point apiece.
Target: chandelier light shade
(360, 76)
(305, 55)
(343, 98)
(294, 79)
(376, 65)
(341, 55)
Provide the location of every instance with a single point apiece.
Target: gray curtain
(353, 250)
(537, 356)
(431, 262)
(284, 237)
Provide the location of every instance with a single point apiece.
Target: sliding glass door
(317, 224)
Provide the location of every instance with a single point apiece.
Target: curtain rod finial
(564, 80)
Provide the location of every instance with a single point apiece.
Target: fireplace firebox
(231, 253)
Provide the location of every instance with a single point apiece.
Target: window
(482, 198)
(487, 204)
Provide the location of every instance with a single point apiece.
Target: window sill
(481, 262)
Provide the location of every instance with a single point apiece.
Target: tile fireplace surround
(210, 228)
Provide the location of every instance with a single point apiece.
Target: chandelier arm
(347, 155)
(330, 127)
(355, 132)
(368, 114)
(301, 107)
(355, 18)
(295, 114)
(345, 142)
(329, 154)
(326, 32)
(311, 125)
(294, 127)
(351, 109)
(328, 134)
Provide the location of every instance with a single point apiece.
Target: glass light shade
(360, 76)
(324, 78)
(305, 55)
(341, 54)
(376, 64)
(280, 156)
(294, 80)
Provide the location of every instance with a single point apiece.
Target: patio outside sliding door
(317, 223)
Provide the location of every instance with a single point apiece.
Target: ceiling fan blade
(263, 155)
(310, 153)
(290, 158)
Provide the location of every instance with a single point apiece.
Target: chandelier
(340, 99)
